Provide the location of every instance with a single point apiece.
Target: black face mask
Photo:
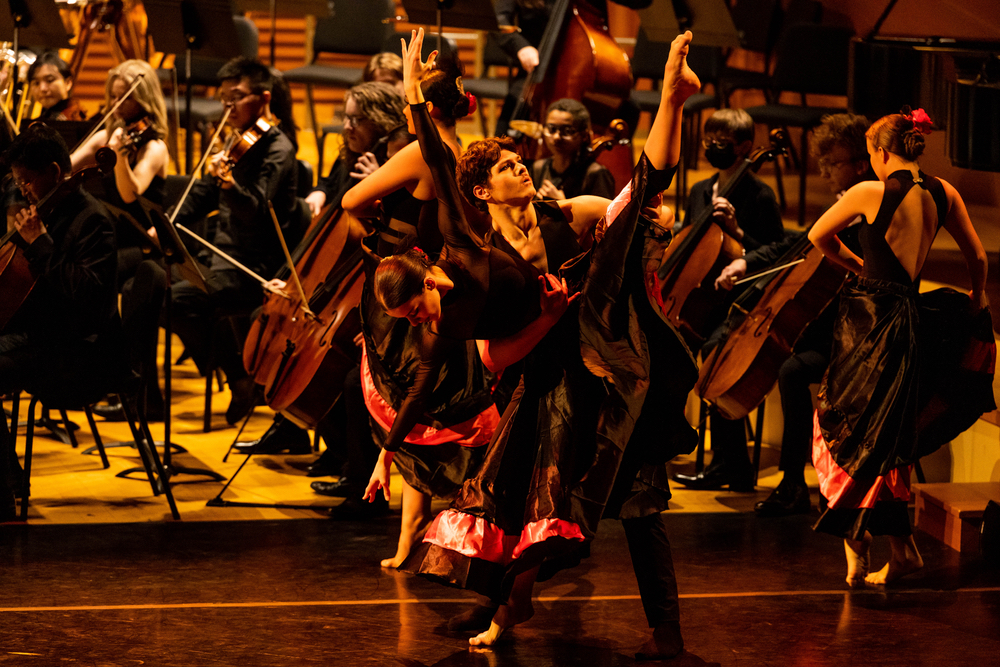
(721, 157)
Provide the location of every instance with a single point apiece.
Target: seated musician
(68, 328)
(569, 172)
(266, 172)
(386, 67)
(372, 111)
(750, 214)
(51, 86)
(839, 144)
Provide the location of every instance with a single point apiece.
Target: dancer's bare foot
(905, 560)
(474, 619)
(415, 521)
(857, 559)
(507, 616)
(666, 643)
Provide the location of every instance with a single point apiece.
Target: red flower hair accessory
(473, 105)
(921, 121)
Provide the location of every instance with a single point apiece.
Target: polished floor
(754, 592)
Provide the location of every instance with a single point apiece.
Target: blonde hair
(148, 94)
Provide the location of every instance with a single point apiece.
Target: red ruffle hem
(475, 537)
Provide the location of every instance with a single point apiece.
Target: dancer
(907, 372)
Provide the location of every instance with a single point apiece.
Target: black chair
(811, 59)
(83, 395)
(487, 86)
(205, 111)
(356, 27)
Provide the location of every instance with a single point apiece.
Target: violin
(681, 281)
(16, 281)
(765, 323)
(137, 134)
(236, 146)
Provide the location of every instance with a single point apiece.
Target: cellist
(839, 145)
(68, 327)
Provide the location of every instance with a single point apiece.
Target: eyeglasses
(238, 98)
(567, 131)
(354, 119)
(709, 143)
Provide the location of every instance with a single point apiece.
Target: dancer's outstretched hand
(679, 81)
(556, 300)
(414, 69)
(379, 478)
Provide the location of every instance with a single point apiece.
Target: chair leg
(150, 459)
(15, 407)
(28, 446)
(69, 430)
(758, 441)
(317, 133)
(206, 424)
(803, 168)
(97, 436)
(699, 457)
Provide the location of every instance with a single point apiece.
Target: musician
(532, 20)
(68, 327)
(372, 111)
(569, 172)
(386, 67)
(839, 145)
(51, 86)
(750, 214)
(267, 172)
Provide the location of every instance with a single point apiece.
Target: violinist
(51, 86)
(569, 171)
(839, 145)
(68, 327)
(751, 216)
(266, 172)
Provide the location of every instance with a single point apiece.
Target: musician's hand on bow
(316, 200)
(276, 286)
(548, 190)
(379, 478)
(366, 165)
(414, 69)
(528, 57)
(29, 225)
(679, 80)
(736, 270)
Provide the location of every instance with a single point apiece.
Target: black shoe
(111, 412)
(339, 489)
(244, 399)
(283, 436)
(356, 509)
(324, 466)
(717, 476)
(787, 499)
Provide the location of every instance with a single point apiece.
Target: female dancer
(908, 372)
(542, 490)
(435, 459)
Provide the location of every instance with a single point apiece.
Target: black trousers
(654, 568)
(794, 377)
(141, 302)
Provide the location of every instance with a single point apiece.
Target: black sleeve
(434, 350)
(765, 224)
(248, 201)
(768, 255)
(452, 209)
(336, 183)
(599, 182)
(87, 271)
(510, 43)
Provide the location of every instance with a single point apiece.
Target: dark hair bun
(913, 143)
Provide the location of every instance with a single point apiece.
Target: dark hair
(842, 129)
(36, 148)
(50, 58)
(399, 278)
(475, 164)
(257, 74)
(381, 105)
(736, 122)
(281, 107)
(581, 117)
(442, 87)
(897, 134)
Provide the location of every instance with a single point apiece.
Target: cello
(680, 282)
(764, 325)
(592, 69)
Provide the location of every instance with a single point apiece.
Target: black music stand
(276, 8)
(470, 14)
(710, 21)
(184, 26)
(35, 22)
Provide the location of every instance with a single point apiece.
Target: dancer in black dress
(908, 371)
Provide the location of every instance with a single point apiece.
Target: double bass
(681, 281)
(764, 325)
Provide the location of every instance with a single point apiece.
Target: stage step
(953, 512)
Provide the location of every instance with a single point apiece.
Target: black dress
(908, 372)
(553, 461)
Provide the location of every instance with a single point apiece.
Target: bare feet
(473, 620)
(666, 643)
(857, 559)
(905, 560)
(507, 616)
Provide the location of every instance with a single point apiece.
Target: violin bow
(201, 164)
(291, 265)
(121, 100)
(775, 269)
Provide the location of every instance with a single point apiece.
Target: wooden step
(953, 512)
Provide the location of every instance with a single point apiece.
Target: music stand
(35, 22)
(709, 20)
(184, 26)
(470, 14)
(276, 8)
